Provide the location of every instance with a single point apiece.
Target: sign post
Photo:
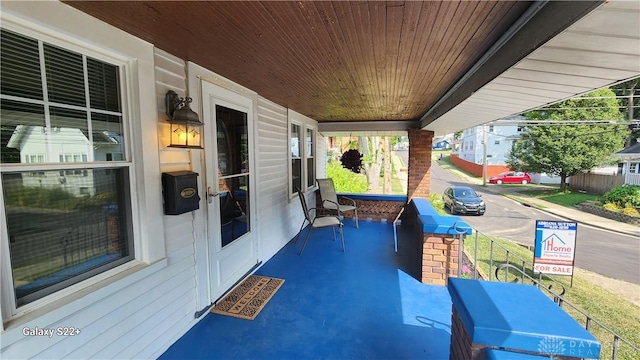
(554, 249)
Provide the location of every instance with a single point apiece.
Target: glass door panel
(233, 173)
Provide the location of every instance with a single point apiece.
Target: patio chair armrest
(348, 198)
(334, 203)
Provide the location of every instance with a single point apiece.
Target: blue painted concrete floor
(362, 304)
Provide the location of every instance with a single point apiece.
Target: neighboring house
(500, 135)
(64, 145)
(440, 145)
(630, 158)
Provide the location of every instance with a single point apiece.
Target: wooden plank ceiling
(331, 61)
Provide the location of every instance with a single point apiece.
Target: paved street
(604, 252)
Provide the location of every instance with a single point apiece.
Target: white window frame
(305, 123)
(139, 117)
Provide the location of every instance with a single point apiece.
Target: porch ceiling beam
(360, 126)
(539, 24)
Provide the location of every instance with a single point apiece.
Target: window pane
(234, 208)
(309, 140)
(311, 172)
(108, 139)
(20, 66)
(19, 123)
(82, 228)
(233, 141)
(69, 135)
(296, 175)
(295, 140)
(65, 76)
(104, 86)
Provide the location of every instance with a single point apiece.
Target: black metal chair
(318, 222)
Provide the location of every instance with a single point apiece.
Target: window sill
(79, 299)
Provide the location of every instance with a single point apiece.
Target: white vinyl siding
(280, 217)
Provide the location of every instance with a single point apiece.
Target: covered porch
(289, 71)
(365, 303)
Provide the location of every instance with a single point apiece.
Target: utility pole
(484, 154)
(630, 114)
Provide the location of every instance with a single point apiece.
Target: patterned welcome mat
(248, 298)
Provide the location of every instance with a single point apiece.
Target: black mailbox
(180, 189)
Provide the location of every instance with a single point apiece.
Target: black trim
(547, 22)
(204, 310)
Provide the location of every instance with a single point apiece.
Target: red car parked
(511, 177)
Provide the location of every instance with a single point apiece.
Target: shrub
(630, 211)
(436, 202)
(345, 181)
(38, 197)
(611, 206)
(623, 195)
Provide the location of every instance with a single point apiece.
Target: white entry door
(230, 181)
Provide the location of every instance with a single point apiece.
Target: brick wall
(476, 169)
(419, 174)
(376, 210)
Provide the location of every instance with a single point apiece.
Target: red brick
(433, 276)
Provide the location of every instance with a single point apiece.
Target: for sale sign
(555, 247)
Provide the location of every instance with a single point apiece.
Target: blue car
(463, 200)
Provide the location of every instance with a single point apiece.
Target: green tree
(566, 150)
(344, 180)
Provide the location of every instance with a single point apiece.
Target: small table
(513, 317)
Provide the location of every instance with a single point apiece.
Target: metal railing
(507, 271)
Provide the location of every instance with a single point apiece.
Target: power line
(576, 135)
(533, 122)
(588, 107)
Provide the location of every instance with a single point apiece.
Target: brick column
(439, 259)
(461, 345)
(419, 175)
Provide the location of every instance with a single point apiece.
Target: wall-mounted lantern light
(186, 127)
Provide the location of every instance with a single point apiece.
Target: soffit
(601, 49)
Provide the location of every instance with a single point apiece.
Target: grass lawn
(614, 312)
(556, 196)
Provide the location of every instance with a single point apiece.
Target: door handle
(211, 194)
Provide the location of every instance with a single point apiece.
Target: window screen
(68, 218)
